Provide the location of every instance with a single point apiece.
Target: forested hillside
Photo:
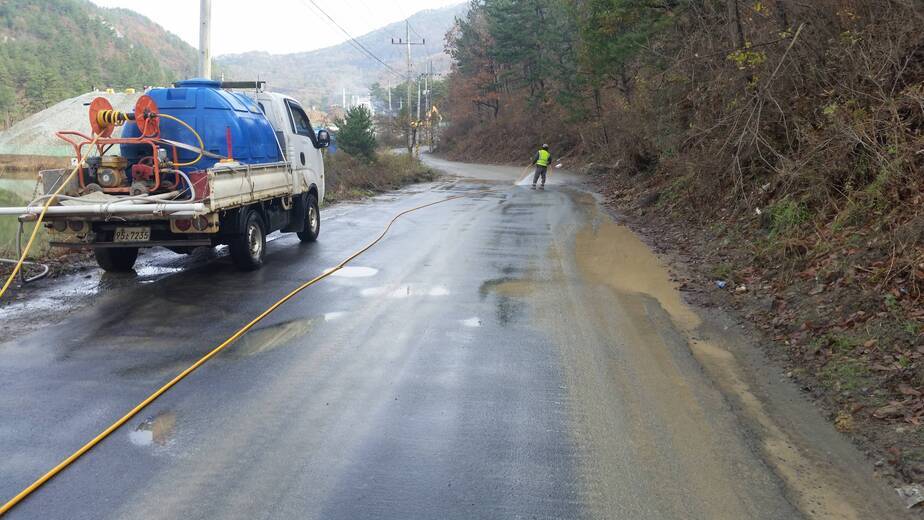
(54, 49)
(776, 144)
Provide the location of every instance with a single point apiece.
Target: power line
(413, 30)
(361, 12)
(356, 44)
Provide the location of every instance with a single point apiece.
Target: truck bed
(225, 186)
(236, 185)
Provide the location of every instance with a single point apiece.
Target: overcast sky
(276, 26)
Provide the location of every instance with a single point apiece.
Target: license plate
(132, 234)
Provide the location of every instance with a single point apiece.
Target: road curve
(512, 354)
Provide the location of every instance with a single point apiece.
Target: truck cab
(300, 145)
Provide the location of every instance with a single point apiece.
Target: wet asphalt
(469, 366)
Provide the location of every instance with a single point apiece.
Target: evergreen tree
(357, 133)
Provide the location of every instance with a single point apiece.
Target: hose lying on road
(234, 337)
(22, 272)
(28, 279)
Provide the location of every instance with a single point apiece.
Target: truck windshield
(300, 123)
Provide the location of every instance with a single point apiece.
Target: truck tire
(249, 248)
(116, 259)
(312, 220)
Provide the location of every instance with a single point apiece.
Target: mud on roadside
(853, 349)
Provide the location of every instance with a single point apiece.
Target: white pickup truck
(230, 202)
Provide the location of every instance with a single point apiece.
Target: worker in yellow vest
(542, 160)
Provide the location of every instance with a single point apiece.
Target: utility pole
(410, 78)
(429, 97)
(418, 98)
(205, 39)
(389, 98)
(427, 85)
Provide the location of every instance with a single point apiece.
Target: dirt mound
(35, 135)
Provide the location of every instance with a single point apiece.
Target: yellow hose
(38, 224)
(234, 337)
(106, 118)
(198, 138)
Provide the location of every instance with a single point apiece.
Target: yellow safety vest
(544, 157)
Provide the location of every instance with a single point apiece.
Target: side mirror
(323, 139)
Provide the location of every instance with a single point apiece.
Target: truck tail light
(183, 225)
(60, 225)
(75, 225)
(200, 223)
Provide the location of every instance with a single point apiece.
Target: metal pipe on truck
(89, 210)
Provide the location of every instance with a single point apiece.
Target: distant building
(361, 101)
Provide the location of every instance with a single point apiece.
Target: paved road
(514, 354)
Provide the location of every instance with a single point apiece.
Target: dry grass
(350, 178)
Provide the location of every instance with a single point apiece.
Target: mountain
(319, 77)
(51, 50)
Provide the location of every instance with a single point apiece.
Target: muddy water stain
(157, 430)
(507, 286)
(818, 493)
(611, 253)
(510, 294)
(268, 338)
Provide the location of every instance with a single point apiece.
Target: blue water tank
(203, 105)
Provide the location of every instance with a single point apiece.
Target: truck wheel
(249, 249)
(312, 220)
(116, 259)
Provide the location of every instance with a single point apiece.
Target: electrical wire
(362, 12)
(356, 43)
(413, 30)
(212, 353)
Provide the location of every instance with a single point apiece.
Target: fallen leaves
(892, 410)
(909, 410)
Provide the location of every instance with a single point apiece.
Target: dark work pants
(540, 172)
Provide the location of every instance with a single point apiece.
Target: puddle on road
(331, 316)
(157, 430)
(269, 338)
(355, 272)
(471, 322)
(152, 271)
(405, 291)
